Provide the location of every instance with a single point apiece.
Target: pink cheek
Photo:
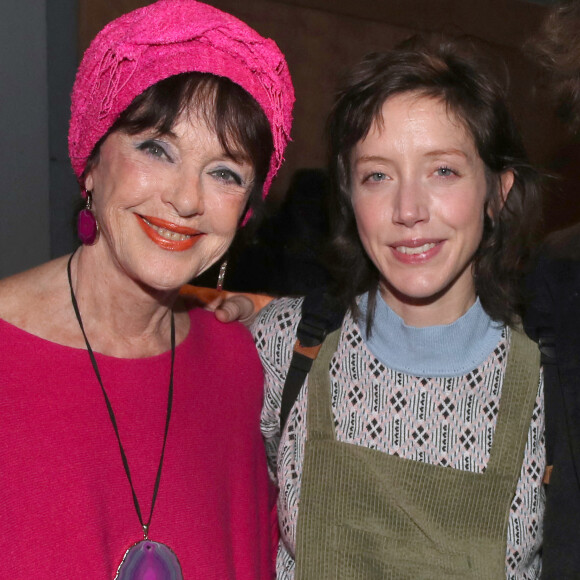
(371, 224)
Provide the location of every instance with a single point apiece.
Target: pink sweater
(65, 506)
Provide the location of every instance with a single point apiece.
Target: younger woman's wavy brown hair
(477, 100)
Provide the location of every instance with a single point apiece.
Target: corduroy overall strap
(365, 514)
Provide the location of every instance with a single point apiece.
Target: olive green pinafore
(365, 514)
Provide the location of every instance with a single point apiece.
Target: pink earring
(87, 226)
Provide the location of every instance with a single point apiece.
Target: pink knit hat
(167, 38)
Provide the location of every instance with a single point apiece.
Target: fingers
(230, 307)
(235, 307)
(214, 304)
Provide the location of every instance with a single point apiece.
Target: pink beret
(167, 38)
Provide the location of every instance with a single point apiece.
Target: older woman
(415, 448)
(130, 438)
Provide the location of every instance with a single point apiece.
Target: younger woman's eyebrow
(453, 151)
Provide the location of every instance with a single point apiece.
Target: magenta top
(66, 507)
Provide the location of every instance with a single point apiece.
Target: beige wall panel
(318, 46)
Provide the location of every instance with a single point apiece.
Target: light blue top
(433, 351)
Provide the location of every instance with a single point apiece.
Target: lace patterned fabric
(447, 421)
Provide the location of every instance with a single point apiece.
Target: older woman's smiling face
(168, 206)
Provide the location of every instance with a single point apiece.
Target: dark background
(42, 40)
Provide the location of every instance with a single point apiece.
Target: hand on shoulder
(228, 306)
(233, 307)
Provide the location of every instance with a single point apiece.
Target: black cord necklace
(145, 558)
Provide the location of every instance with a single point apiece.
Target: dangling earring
(222, 276)
(87, 226)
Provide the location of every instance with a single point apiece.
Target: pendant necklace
(144, 560)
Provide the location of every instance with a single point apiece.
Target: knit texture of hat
(167, 38)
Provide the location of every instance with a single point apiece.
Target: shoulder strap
(321, 314)
(547, 346)
(552, 393)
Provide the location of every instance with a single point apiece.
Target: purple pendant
(148, 560)
(87, 227)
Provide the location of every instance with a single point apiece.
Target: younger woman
(415, 449)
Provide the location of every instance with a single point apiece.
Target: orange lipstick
(167, 235)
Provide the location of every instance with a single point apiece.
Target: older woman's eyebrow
(169, 133)
(152, 133)
(238, 156)
(371, 159)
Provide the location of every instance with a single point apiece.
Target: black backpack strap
(547, 346)
(321, 314)
(549, 361)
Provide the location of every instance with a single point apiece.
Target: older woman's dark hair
(476, 100)
(237, 119)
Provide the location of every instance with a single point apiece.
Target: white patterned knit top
(445, 419)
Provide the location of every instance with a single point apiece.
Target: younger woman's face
(418, 192)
